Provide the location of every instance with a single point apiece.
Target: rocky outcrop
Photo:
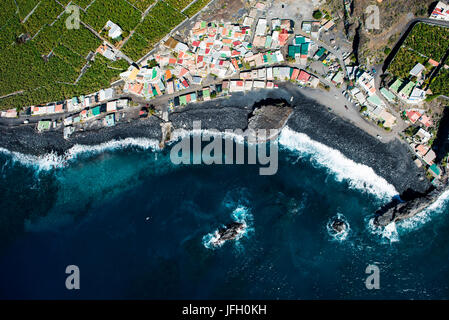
(231, 231)
(400, 210)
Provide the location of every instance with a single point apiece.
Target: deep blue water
(134, 224)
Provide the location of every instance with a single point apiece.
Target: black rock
(339, 225)
(230, 231)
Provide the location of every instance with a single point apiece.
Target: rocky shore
(391, 160)
(398, 210)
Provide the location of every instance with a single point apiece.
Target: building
(106, 94)
(417, 70)
(261, 27)
(114, 31)
(429, 157)
(387, 94)
(441, 12)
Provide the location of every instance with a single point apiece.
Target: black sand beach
(391, 160)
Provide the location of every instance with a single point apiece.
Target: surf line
(212, 153)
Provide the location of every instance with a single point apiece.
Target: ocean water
(139, 227)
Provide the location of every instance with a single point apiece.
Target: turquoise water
(138, 226)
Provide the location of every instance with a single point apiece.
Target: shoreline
(390, 160)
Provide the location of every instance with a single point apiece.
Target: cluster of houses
(411, 90)
(365, 95)
(441, 12)
(214, 49)
(420, 142)
(100, 105)
(313, 28)
(280, 32)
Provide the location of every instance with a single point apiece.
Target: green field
(178, 4)
(440, 84)
(46, 67)
(142, 4)
(82, 3)
(195, 7)
(118, 11)
(51, 79)
(166, 15)
(404, 61)
(25, 7)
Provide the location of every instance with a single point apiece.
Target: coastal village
(219, 58)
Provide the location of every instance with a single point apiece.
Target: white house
(114, 30)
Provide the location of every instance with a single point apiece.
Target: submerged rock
(230, 231)
(339, 226)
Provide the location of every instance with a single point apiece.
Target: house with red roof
(303, 76)
(413, 115)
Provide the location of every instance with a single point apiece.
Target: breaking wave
(358, 176)
(387, 234)
(52, 160)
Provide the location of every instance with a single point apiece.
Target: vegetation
(82, 3)
(195, 7)
(10, 31)
(404, 61)
(440, 84)
(179, 4)
(142, 4)
(45, 68)
(7, 10)
(147, 34)
(25, 7)
(118, 11)
(69, 57)
(136, 47)
(98, 76)
(45, 13)
(317, 14)
(431, 41)
(411, 131)
(166, 15)
(52, 78)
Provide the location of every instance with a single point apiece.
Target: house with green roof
(183, 100)
(375, 100)
(397, 85)
(320, 52)
(435, 171)
(43, 125)
(407, 90)
(299, 40)
(96, 111)
(293, 51)
(387, 94)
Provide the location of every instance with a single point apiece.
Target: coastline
(390, 160)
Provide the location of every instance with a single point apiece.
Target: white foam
(52, 160)
(388, 234)
(359, 176)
